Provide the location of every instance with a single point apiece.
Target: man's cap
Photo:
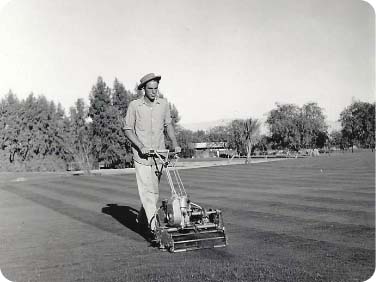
(147, 78)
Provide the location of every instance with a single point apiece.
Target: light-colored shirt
(148, 123)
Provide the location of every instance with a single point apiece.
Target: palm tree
(251, 134)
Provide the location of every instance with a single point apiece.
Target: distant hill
(207, 125)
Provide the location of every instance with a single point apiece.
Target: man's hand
(145, 151)
(177, 149)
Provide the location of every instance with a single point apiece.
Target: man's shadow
(129, 217)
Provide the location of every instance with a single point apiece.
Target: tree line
(37, 134)
(293, 128)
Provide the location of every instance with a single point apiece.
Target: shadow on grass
(129, 217)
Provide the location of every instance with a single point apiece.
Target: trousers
(148, 189)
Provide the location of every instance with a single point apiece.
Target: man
(145, 122)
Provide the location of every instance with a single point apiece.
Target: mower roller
(182, 225)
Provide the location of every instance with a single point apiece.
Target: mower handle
(162, 153)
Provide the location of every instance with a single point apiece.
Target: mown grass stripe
(323, 257)
(333, 232)
(301, 187)
(251, 192)
(83, 199)
(93, 186)
(106, 181)
(344, 215)
(95, 219)
(343, 184)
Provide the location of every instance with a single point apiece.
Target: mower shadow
(127, 216)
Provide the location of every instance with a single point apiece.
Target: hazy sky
(218, 58)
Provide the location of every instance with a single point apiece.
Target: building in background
(210, 149)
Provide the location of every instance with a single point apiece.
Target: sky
(219, 59)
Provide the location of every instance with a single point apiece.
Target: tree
(62, 133)
(284, 126)
(218, 133)
(33, 138)
(174, 115)
(294, 128)
(358, 124)
(80, 133)
(251, 135)
(369, 126)
(199, 136)
(107, 109)
(313, 128)
(100, 113)
(336, 139)
(120, 101)
(10, 122)
(236, 141)
(263, 143)
(32, 131)
(120, 97)
(42, 129)
(184, 137)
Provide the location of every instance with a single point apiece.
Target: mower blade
(197, 241)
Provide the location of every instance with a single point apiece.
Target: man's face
(151, 90)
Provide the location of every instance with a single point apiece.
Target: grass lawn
(308, 219)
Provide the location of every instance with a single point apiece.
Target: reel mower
(182, 225)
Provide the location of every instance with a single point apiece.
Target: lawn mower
(182, 225)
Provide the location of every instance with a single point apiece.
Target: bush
(47, 163)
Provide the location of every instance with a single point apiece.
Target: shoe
(150, 235)
(152, 238)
